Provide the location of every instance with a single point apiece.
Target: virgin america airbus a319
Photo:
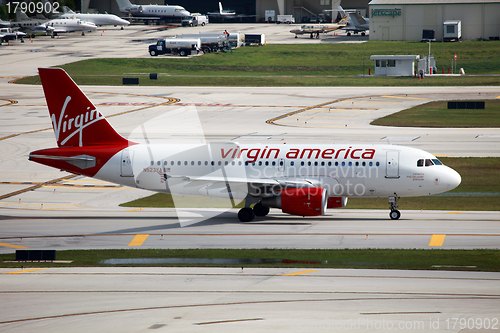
(299, 179)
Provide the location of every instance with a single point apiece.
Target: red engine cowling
(337, 202)
(308, 201)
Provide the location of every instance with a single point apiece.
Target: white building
(406, 19)
(395, 65)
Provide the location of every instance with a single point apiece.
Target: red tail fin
(76, 121)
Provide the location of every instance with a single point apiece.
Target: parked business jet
(316, 29)
(300, 179)
(356, 22)
(53, 27)
(152, 12)
(96, 18)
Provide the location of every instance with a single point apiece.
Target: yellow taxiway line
(138, 240)
(14, 246)
(26, 271)
(299, 273)
(437, 240)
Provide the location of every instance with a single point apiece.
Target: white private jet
(299, 179)
(53, 27)
(96, 18)
(152, 12)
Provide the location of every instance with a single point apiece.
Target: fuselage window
(357, 163)
(309, 163)
(199, 162)
(213, 163)
(267, 163)
(329, 163)
(281, 163)
(165, 162)
(260, 163)
(226, 163)
(179, 163)
(302, 163)
(350, 163)
(420, 162)
(343, 163)
(219, 163)
(371, 163)
(172, 163)
(152, 163)
(336, 163)
(436, 161)
(291, 163)
(253, 163)
(364, 163)
(239, 163)
(192, 162)
(158, 163)
(185, 162)
(233, 163)
(246, 162)
(377, 164)
(428, 162)
(206, 162)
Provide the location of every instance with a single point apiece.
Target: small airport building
(395, 65)
(405, 20)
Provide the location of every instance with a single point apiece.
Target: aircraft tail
(122, 4)
(357, 19)
(344, 21)
(75, 120)
(220, 8)
(21, 16)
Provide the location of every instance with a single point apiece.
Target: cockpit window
(428, 162)
(420, 162)
(436, 161)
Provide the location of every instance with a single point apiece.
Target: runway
(229, 299)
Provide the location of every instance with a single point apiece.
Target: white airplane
(316, 29)
(357, 23)
(299, 179)
(97, 19)
(53, 27)
(222, 12)
(152, 12)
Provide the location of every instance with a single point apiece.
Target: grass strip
(437, 114)
(291, 65)
(479, 190)
(482, 260)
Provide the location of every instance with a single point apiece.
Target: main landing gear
(394, 214)
(247, 214)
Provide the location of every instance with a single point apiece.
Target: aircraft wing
(141, 17)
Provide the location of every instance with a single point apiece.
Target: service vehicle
(289, 19)
(194, 20)
(210, 41)
(182, 47)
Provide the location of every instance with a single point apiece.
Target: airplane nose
(453, 178)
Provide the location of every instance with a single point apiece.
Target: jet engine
(305, 201)
(336, 202)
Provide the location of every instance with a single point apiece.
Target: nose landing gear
(394, 214)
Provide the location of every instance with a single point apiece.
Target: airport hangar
(405, 20)
(302, 10)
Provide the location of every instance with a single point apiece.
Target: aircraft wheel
(153, 53)
(348, 34)
(362, 34)
(394, 214)
(246, 214)
(260, 210)
(296, 36)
